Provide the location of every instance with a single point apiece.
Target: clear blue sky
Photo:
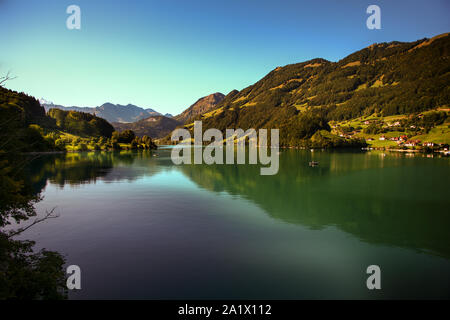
(167, 54)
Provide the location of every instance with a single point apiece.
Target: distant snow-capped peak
(43, 101)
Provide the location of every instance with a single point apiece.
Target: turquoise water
(140, 227)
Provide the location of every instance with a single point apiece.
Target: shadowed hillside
(154, 127)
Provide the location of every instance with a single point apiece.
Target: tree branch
(6, 78)
(48, 215)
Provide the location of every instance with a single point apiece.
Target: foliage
(126, 136)
(21, 123)
(23, 273)
(81, 123)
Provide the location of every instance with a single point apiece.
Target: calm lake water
(140, 227)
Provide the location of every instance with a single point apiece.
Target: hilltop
(201, 106)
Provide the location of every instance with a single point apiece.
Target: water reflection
(381, 199)
(384, 200)
(83, 168)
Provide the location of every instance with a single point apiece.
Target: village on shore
(427, 132)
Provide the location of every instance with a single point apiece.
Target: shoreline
(441, 152)
(43, 152)
(444, 153)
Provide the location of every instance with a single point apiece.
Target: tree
(126, 136)
(135, 145)
(148, 142)
(24, 274)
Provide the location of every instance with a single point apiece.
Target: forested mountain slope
(300, 99)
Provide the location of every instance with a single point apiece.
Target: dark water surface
(141, 227)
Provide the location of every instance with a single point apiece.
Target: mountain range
(116, 113)
(159, 126)
(144, 121)
(109, 111)
(301, 99)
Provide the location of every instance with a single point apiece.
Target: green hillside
(382, 80)
(81, 123)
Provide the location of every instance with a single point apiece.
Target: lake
(140, 227)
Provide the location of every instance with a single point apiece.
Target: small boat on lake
(313, 163)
